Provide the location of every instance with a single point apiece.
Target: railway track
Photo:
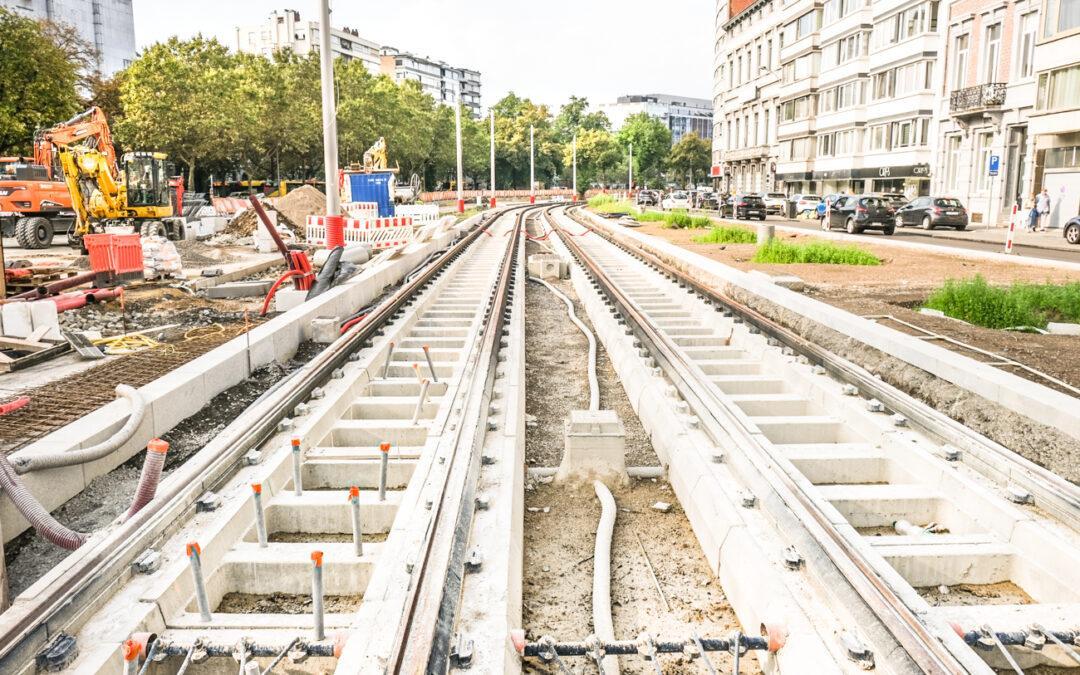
(366, 515)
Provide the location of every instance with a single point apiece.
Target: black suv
(856, 213)
(744, 206)
(929, 212)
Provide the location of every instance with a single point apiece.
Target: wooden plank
(23, 345)
(33, 359)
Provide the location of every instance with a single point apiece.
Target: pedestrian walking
(1042, 205)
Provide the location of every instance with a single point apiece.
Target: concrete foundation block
(239, 289)
(288, 298)
(17, 320)
(326, 330)
(1063, 328)
(545, 266)
(43, 314)
(595, 447)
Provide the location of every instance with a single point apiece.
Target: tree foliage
(38, 82)
(652, 144)
(691, 156)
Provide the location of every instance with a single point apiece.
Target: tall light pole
(335, 226)
(630, 178)
(460, 160)
(493, 158)
(574, 197)
(532, 165)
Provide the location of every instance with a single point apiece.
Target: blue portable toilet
(372, 187)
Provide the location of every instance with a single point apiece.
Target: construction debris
(293, 210)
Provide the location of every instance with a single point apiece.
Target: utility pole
(574, 197)
(460, 160)
(335, 226)
(630, 180)
(493, 158)
(532, 165)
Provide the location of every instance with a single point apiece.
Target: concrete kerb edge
(1042, 404)
(271, 341)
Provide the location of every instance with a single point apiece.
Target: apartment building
(1054, 123)
(826, 97)
(987, 94)
(107, 25)
(442, 81)
(682, 115)
(284, 29)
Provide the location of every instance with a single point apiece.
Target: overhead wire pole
(460, 161)
(532, 165)
(630, 178)
(335, 225)
(574, 198)
(493, 158)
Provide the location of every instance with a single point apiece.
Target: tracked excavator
(134, 192)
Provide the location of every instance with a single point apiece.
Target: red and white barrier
(360, 210)
(1012, 231)
(379, 234)
(420, 213)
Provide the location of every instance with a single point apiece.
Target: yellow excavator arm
(375, 158)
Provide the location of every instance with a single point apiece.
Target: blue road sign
(995, 164)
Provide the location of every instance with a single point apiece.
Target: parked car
(745, 206)
(676, 200)
(648, 198)
(1072, 230)
(825, 202)
(804, 203)
(709, 202)
(930, 212)
(897, 199)
(856, 213)
(774, 202)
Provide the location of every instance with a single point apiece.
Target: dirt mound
(302, 202)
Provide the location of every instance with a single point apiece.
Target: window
(903, 80)
(848, 48)
(1060, 16)
(983, 141)
(960, 51)
(796, 109)
(768, 55)
(879, 137)
(1059, 89)
(803, 26)
(952, 163)
(1025, 59)
(824, 145)
(1063, 158)
(991, 52)
(913, 21)
(801, 68)
(740, 80)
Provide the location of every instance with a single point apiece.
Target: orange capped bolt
(131, 650)
(354, 492)
(316, 557)
(193, 547)
(157, 445)
(385, 447)
(256, 488)
(295, 442)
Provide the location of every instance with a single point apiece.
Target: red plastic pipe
(12, 406)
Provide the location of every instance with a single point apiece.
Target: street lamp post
(335, 225)
(630, 179)
(574, 196)
(492, 158)
(532, 165)
(460, 160)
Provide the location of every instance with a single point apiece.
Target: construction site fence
(469, 195)
(378, 234)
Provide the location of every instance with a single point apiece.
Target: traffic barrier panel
(379, 234)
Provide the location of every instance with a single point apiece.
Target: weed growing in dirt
(675, 219)
(822, 253)
(725, 234)
(608, 204)
(1022, 304)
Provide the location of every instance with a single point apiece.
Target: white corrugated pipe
(31, 509)
(594, 386)
(94, 452)
(603, 626)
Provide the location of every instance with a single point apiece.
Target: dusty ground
(282, 603)
(963, 595)
(902, 271)
(322, 537)
(556, 362)
(558, 573)
(29, 557)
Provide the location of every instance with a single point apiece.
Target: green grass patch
(679, 219)
(608, 204)
(725, 234)
(1021, 304)
(822, 253)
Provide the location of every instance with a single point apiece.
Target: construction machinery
(33, 206)
(137, 192)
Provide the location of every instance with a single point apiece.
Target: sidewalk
(1051, 239)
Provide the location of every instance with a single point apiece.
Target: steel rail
(423, 635)
(28, 626)
(926, 652)
(1053, 494)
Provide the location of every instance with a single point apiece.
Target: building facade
(987, 94)
(826, 97)
(1054, 123)
(107, 25)
(681, 115)
(284, 29)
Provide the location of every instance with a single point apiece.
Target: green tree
(37, 82)
(574, 117)
(183, 97)
(514, 117)
(598, 158)
(690, 157)
(652, 145)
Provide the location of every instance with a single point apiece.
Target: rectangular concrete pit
(328, 512)
(330, 475)
(375, 432)
(595, 446)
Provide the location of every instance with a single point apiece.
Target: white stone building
(682, 115)
(284, 29)
(107, 25)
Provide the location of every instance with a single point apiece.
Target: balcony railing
(979, 97)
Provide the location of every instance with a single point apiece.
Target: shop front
(911, 180)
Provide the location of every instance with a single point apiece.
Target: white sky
(545, 50)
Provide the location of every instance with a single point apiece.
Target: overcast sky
(545, 50)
